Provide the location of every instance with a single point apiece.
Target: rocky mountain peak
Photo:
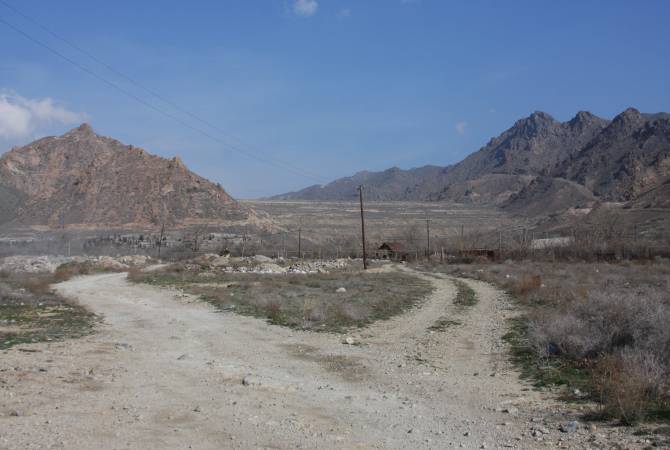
(625, 123)
(585, 120)
(630, 115)
(82, 130)
(536, 123)
(541, 116)
(541, 119)
(86, 180)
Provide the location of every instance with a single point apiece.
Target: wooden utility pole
(244, 242)
(428, 238)
(160, 240)
(300, 242)
(365, 255)
(499, 244)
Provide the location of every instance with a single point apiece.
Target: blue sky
(331, 86)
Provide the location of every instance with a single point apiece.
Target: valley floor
(166, 370)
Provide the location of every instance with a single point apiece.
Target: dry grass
(630, 383)
(303, 301)
(31, 312)
(596, 326)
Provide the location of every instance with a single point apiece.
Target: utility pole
(160, 240)
(499, 244)
(300, 242)
(365, 255)
(428, 238)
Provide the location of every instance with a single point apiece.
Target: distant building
(541, 244)
(392, 250)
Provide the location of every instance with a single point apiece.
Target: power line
(146, 89)
(264, 159)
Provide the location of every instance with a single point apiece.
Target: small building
(480, 253)
(542, 244)
(392, 250)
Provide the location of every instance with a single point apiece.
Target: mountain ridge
(584, 159)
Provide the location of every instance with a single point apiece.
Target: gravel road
(168, 371)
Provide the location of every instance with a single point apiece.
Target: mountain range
(537, 165)
(84, 180)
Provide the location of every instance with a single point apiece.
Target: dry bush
(525, 285)
(612, 318)
(312, 312)
(605, 322)
(67, 271)
(630, 383)
(273, 309)
(38, 285)
(347, 312)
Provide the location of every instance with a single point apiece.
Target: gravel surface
(167, 371)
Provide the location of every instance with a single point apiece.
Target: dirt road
(167, 371)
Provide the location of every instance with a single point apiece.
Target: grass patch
(443, 324)
(303, 301)
(31, 312)
(543, 372)
(465, 295)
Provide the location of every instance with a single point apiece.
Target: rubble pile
(32, 264)
(49, 264)
(262, 264)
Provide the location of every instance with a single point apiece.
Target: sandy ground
(168, 371)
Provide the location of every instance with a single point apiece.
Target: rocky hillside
(629, 157)
(538, 161)
(82, 179)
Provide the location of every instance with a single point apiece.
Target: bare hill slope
(82, 179)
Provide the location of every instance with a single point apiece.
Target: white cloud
(460, 127)
(305, 8)
(20, 117)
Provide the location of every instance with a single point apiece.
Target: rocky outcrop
(82, 179)
(629, 157)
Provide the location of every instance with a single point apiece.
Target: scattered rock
(569, 427)
(349, 341)
(341, 289)
(250, 380)
(512, 410)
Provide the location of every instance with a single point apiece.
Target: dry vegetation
(314, 302)
(31, 312)
(599, 328)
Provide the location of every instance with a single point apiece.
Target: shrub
(273, 310)
(629, 383)
(605, 322)
(526, 284)
(67, 271)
